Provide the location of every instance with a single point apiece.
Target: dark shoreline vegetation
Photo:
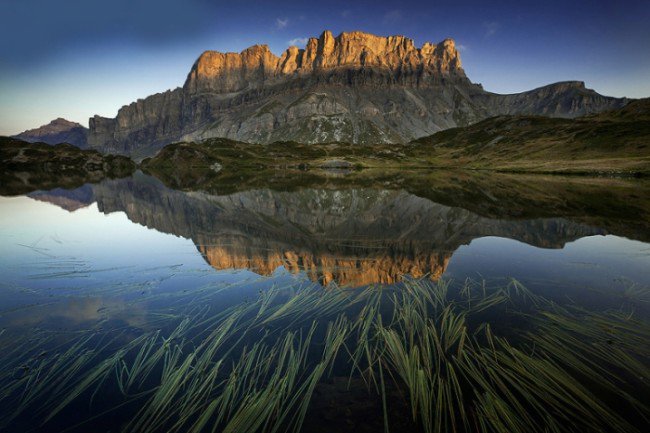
(25, 167)
(427, 356)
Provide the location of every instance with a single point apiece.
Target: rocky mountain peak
(257, 66)
(64, 121)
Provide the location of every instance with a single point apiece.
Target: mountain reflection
(354, 237)
(349, 265)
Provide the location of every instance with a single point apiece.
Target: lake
(447, 301)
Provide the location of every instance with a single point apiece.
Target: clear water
(134, 255)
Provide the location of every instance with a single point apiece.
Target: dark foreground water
(469, 303)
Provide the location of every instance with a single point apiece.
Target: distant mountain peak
(65, 122)
(57, 125)
(59, 130)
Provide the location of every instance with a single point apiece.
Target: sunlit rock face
(396, 58)
(351, 237)
(355, 87)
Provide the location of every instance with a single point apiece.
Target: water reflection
(352, 237)
(145, 300)
(80, 312)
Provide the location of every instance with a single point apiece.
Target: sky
(78, 58)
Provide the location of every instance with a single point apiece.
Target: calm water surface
(131, 257)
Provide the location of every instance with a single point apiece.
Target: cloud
(461, 47)
(346, 13)
(298, 41)
(281, 23)
(491, 27)
(393, 16)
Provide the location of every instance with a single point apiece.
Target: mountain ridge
(355, 87)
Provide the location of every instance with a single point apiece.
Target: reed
(255, 366)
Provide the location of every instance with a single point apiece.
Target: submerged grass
(254, 367)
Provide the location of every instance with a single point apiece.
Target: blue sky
(77, 58)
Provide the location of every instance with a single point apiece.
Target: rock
(257, 66)
(355, 87)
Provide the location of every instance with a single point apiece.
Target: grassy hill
(612, 142)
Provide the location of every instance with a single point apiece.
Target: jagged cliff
(355, 87)
(394, 60)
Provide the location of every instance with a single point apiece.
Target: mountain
(57, 131)
(356, 88)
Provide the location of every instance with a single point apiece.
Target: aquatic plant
(255, 366)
